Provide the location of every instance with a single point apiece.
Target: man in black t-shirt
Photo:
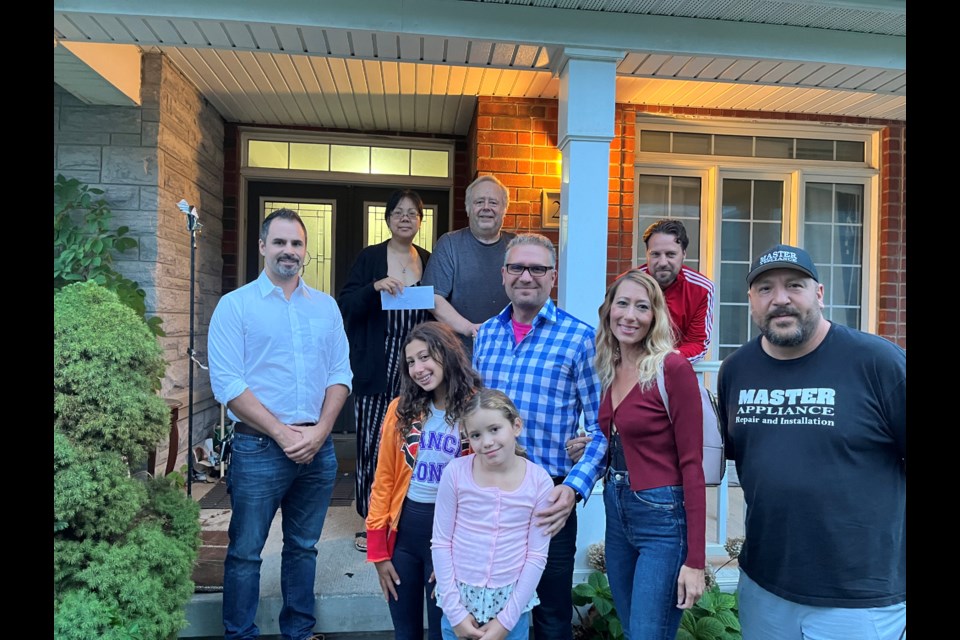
(815, 418)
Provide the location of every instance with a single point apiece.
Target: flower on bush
(597, 557)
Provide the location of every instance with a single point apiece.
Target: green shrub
(123, 548)
(107, 369)
(714, 617)
(83, 245)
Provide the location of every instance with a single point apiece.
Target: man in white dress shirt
(280, 362)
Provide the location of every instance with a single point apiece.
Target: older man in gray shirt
(464, 268)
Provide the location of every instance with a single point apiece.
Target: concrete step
(348, 593)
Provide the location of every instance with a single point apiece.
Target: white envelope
(409, 298)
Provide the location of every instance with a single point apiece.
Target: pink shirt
(486, 537)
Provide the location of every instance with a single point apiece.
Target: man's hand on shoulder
(562, 500)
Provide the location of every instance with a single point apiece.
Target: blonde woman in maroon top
(654, 492)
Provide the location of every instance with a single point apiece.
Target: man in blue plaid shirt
(542, 358)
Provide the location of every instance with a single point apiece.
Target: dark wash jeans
(646, 544)
(261, 479)
(414, 564)
(553, 617)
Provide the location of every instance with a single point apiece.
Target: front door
(341, 220)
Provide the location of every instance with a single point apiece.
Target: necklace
(403, 267)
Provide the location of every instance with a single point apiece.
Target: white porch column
(585, 129)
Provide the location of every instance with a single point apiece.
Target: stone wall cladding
(189, 142)
(516, 140)
(146, 159)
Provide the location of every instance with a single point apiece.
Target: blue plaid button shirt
(550, 376)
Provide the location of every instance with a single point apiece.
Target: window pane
(733, 146)
(808, 149)
(433, 164)
(313, 157)
(264, 153)
(774, 147)
(733, 323)
(391, 161)
(848, 316)
(768, 200)
(850, 151)
(735, 242)
(675, 197)
(655, 141)
(733, 282)
(819, 202)
(850, 203)
(691, 143)
(736, 199)
(350, 158)
(685, 198)
(818, 241)
(654, 194)
(765, 235)
(845, 286)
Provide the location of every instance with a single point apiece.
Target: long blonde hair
(657, 344)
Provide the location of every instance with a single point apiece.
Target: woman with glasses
(654, 491)
(376, 336)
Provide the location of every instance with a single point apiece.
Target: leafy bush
(602, 620)
(83, 245)
(714, 617)
(107, 369)
(123, 549)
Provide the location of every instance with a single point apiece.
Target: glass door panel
(318, 219)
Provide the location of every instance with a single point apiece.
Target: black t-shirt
(820, 448)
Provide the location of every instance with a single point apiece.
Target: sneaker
(360, 541)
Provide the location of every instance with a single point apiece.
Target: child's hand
(468, 628)
(388, 579)
(493, 630)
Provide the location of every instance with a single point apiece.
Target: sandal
(360, 541)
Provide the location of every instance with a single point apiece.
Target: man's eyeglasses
(536, 270)
(398, 215)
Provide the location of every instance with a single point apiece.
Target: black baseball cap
(782, 256)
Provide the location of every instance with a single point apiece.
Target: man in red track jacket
(689, 294)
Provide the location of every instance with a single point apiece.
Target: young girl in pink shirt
(488, 554)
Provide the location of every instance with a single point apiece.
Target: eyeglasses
(536, 270)
(404, 215)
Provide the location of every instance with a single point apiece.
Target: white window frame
(795, 173)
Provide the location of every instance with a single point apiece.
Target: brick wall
(146, 159)
(516, 140)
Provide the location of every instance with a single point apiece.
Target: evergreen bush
(123, 548)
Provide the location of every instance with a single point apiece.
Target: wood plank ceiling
(366, 80)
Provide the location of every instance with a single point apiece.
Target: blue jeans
(646, 544)
(414, 564)
(520, 632)
(766, 616)
(261, 479)
(553, 617)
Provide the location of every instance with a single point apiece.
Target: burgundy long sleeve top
(661, 452)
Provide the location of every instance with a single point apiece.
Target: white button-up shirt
(287, 352)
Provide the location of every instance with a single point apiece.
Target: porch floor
(349, 601)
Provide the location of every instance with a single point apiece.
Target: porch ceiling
(418, 65)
